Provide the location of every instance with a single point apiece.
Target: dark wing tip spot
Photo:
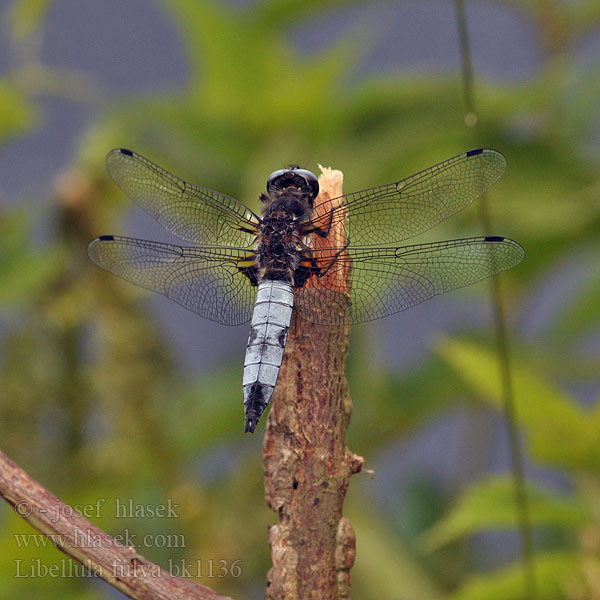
(106, 238)
(475, 152)
(125, 152)
(494, 238)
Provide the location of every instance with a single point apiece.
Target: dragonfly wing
(385, 281)
(192, 213)
(206, 281)
(391, 213)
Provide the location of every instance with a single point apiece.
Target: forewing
(192, 213)
(384, 281)
(204, 280)
(391, 213)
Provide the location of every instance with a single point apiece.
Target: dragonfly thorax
(278, 244)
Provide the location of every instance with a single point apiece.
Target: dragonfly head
(293, 177)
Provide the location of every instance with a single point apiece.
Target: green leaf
(247, 77)
(26, 16)
(17, 114)
(553, 573)
(288, 12)
(490, 504)
(581, 314)
(23, 272)
(384, 564)
(550, 416)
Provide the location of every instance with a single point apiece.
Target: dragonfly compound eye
(301, 179)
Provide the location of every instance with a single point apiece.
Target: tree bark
(307, 464)
(105, 557)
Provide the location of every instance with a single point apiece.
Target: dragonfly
(333, 263)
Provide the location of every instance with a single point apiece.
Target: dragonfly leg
(324, 270)
(311, 227)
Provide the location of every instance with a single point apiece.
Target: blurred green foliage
(93, 404)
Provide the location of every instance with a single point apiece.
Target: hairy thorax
(279, 241)
(278, 248)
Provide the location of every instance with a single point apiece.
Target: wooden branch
(104, 556)
(306, 461)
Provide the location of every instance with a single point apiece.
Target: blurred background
(109, 393)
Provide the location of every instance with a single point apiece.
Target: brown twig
(101, 554)
(307, 464)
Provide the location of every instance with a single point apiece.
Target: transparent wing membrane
(384, 281)
(204, 280)
(192, 213)
(391, 213)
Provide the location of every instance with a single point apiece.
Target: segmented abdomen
(268, 333)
